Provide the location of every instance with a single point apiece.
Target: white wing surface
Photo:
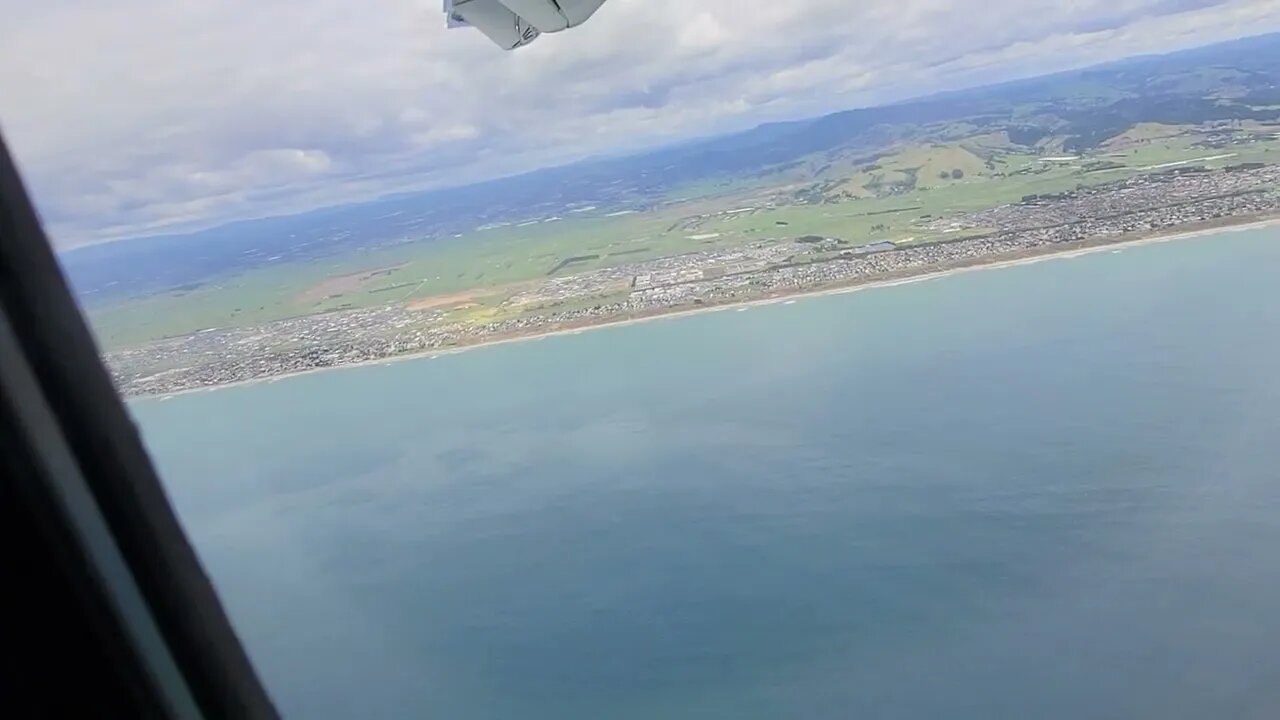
(513, 23)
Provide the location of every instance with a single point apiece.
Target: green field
(887, 198)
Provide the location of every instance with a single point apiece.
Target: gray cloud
(141, 115)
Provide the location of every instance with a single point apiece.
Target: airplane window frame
(89, 485)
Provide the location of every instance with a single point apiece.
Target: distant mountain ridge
(1239, 79)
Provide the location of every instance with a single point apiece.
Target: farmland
(891, 201)
(1131, 148)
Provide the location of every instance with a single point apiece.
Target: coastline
(995, 262)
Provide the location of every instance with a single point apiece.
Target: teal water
(1049, 491)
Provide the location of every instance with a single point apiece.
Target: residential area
(1182, 197)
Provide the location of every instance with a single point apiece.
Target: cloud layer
(142, 115)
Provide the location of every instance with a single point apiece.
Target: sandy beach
(993, 263)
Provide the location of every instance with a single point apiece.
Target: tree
(957, 174)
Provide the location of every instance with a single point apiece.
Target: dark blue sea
(1049, 491)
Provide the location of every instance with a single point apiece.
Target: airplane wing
(514, 23)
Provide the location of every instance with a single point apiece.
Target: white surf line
(743, 306)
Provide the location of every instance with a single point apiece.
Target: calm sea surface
(1049, 491)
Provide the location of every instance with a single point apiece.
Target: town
(1180, 197)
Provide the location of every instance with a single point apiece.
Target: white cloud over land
(138, 116)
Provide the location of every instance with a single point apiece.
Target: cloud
(140, 115)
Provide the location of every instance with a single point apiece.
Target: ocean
(1044, 491)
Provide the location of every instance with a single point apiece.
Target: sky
(136, 117)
